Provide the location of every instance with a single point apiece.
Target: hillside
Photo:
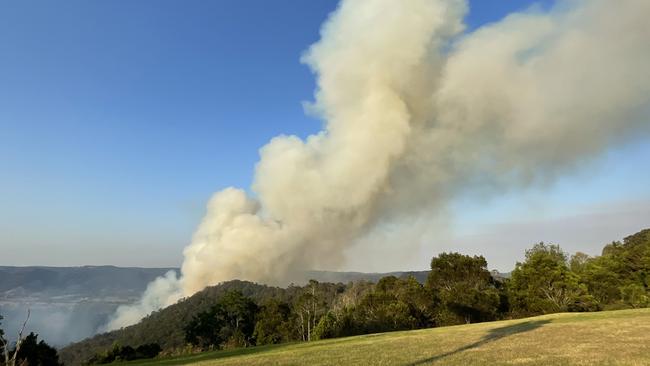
(170, 321)
(604, 338)
(165, 326)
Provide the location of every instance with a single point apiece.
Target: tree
(620, 276)
(239, 314)
(635, 296)
(10, 357)
(33, 352)
(543, 283)
(231, 320)
(601, 276)
(273, 323)
(2, 338)
(579, 262)
(125, 353)
(204, 330)
(345, 315)
(309, 307)
(464, 287)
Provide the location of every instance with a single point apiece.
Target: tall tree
(273, 323)
(464, 287)
(33, 352)
(239, 314)
(309, 307)
(543, 283)
(231, 320)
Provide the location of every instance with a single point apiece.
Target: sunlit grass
(607, 338)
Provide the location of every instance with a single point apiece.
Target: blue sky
(118, 120)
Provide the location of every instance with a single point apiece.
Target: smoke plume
(416, 111)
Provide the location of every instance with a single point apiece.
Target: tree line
(459, 289)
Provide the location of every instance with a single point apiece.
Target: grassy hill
(603, 338)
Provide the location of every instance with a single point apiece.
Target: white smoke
(161, 292)
(415, 112)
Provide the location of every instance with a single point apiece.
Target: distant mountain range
(122, 284)
(75, 284)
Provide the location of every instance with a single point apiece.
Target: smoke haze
(416, 111)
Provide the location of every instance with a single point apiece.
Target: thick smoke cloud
(416, 112)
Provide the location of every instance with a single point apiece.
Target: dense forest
(459, 289)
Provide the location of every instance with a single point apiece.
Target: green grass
(604, 338)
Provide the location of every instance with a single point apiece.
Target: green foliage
(2, 341)
(619, 277)
(33, 352)
(393, 304)
(126, 353)
(309, 305)
(602, 277)
(464, 287)
(231, 321)
(274, 323)
(635, 295)
(543, 283)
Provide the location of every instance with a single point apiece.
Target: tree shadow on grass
(493, 335)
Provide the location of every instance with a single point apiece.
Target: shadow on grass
(493, 335)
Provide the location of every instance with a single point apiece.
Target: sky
(119, 119)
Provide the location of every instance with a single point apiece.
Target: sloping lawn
(604, 338)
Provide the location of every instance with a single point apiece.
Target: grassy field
(604, 338)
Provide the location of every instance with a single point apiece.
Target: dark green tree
(273, 323)
(125, 353)
(239, 314)
(464, 288)
(2, 342)
(231, 321)
(33, 352)
(204, 330)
